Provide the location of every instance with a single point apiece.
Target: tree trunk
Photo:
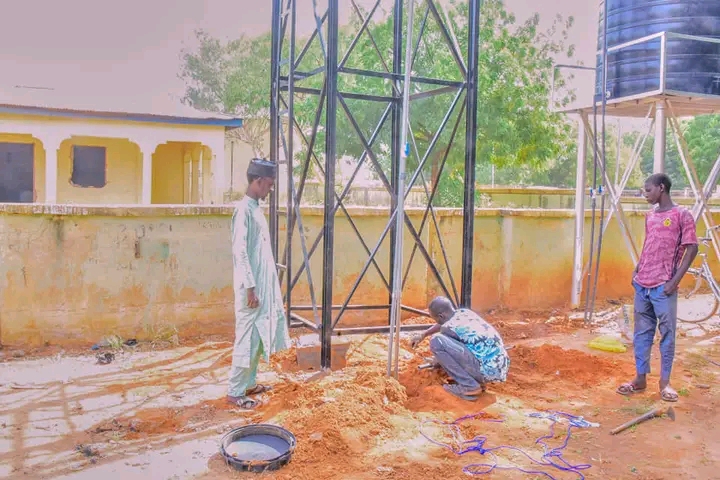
(435, 165)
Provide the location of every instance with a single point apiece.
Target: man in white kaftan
(260, 323)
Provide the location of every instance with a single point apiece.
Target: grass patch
(163, 335)
(114, 342)
(695, 361)
(697, 364)
(642, 406)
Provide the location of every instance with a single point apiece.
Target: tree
(233, 78)
(517, 129)
(673, 163)
(561, 170)
(703, 144)
(703, 138)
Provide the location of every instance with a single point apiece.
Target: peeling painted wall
(74, 274)
(80, 277)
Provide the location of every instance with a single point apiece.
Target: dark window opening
(88, 167)
(17, 175)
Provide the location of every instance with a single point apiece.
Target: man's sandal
(628, 389)
(258, 390)
(246, 403)
(668, 394)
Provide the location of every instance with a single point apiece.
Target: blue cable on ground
(552, 457)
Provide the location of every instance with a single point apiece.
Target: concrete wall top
(113, 210)
(199, 210)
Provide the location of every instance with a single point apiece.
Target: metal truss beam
(298, 147)
(700, 209)
(662, 102)
(615, 195)
(619, 187)
(701, 191)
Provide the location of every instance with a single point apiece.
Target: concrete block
(308, 352)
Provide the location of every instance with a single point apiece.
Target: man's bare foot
(638, 384)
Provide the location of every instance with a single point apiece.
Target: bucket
(258, 448)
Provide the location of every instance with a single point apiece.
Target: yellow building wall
(238, 155)
(38, 160)
(124, 158)
(170, 174)
(123, 167)
(239, 152)
(72, 275)
(168, 182)
(181, 173)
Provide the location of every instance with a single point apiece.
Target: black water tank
(692, 66)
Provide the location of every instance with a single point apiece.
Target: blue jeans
(458, 361)
(654, 310)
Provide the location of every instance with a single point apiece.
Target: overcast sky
(130, 49)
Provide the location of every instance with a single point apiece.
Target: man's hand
(670, 287)
(252, 299)
(416, 339)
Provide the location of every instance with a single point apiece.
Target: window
(16, 172)
(88, 167)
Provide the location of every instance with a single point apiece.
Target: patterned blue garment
(483, 341)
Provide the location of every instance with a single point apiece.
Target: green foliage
(517, 129)
(703, 142)
(231, 77)
(703, 145)
(673, 163)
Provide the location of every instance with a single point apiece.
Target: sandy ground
(161, 414)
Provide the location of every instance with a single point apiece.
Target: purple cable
(463, 446)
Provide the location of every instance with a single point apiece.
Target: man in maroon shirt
(669, 250)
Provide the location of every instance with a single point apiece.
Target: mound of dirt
(425, 392)
(342, 415)
(532, 369)
(539, 367)
(285, 361)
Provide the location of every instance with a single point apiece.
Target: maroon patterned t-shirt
(666, 236)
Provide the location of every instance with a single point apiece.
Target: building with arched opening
(58, 152)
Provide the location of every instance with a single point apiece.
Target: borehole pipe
(396, 298)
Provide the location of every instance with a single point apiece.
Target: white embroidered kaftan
(254, 266)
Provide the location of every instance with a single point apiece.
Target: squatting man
(260, 324)
(468, 348)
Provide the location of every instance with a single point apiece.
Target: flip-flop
(669, 395)
(258, 389)
(454, 390)
(627, 389)
(245, 403)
